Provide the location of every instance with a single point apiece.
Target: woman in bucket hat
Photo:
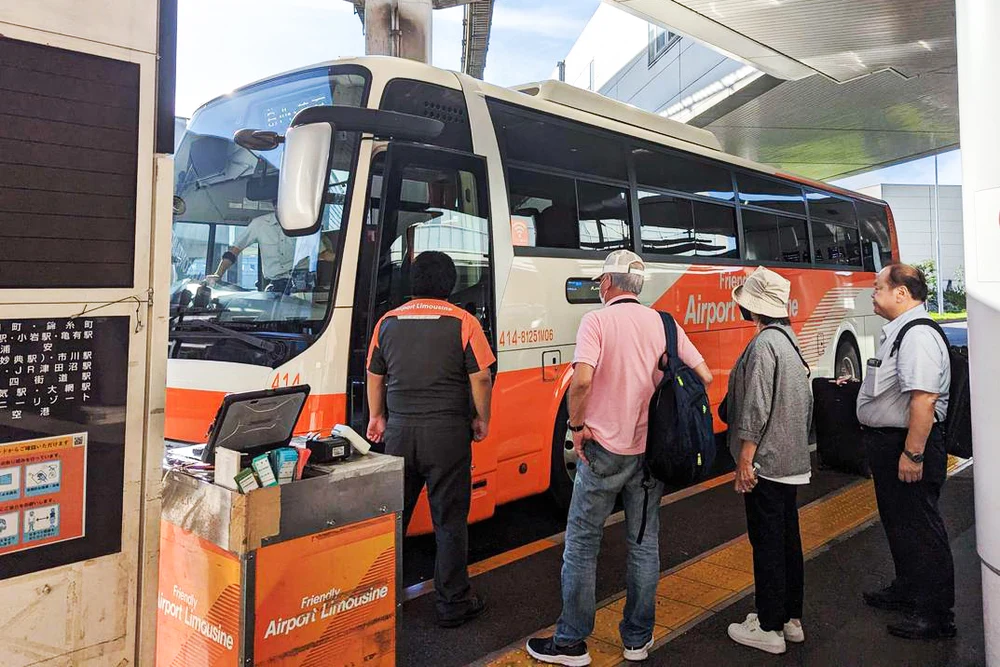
(769, 409)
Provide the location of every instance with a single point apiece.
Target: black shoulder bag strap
(670, 332)
(794, 346)
(923, 321)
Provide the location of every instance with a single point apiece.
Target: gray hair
(628, 282)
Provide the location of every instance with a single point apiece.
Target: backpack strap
(670, 332)
(647, 484)
(923, 321)
(794, 347)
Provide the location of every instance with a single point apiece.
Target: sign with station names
(45, 363)
(63, 394)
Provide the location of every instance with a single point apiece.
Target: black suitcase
(838, 433)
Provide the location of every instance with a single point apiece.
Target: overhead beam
(476, 37)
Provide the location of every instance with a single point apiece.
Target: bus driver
(277, 252)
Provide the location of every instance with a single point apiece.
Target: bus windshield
(241, 289)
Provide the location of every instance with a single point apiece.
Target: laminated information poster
(64, 389)
(43, 491)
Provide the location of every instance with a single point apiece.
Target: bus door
(421, 198)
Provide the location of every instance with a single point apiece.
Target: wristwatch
(574, 429)
(916, 458)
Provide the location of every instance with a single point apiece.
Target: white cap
(621, 261)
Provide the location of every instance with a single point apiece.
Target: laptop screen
(257, 420)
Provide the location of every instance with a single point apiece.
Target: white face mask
(601, 292)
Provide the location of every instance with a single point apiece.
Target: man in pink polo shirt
(616, 370)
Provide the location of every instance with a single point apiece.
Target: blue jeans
(594, 492)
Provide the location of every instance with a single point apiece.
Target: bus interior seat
(557, 227)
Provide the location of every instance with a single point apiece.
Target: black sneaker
(545, 650)
(888, 599)
(920, 627)
(476, 608)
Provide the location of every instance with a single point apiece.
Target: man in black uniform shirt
(428, 366)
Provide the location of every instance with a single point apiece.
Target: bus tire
(564, 461)
(848, 359)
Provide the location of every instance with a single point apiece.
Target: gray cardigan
(770, 403)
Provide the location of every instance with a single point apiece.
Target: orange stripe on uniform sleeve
(374, 343)
(472, 334)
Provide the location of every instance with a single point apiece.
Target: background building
(913, 208)
(628, 59)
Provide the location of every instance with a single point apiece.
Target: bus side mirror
(302, 181)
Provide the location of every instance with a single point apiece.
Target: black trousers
(778, 570)
(439, 454)
(918, 541)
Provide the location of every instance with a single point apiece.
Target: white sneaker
(749, 633)
(637, 654)
(793, 631)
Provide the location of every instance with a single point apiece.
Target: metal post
(979, 97)
(938, 269)
(400, 28)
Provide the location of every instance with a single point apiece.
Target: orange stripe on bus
(190, 413)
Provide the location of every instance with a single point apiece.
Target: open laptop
(253, 422)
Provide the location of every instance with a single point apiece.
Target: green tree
(954, 293)
(930, 275)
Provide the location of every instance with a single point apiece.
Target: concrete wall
(101, 612)
(913, 210)
(614, 46)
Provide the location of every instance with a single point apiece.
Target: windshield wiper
(243, 337)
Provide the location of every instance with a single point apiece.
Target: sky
(915, 172)
(224, 44)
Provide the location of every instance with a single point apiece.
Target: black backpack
(680, 442)
(958, 422)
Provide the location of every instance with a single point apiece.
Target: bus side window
(876, 240)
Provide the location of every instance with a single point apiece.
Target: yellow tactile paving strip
(712, 581)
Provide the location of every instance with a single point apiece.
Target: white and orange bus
(527, 190)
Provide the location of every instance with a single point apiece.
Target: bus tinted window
(715, 228)
(540, 139)
(549, 211)
(667, 224)
(775, 238)
(824, 206)
(756, 191)
(682, 174)
(604, 218)
(543, 210)
(876, 240)
(836, 244)
(437, 102)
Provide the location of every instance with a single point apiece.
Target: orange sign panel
(328, 599)
(43, 491)
(198, 606)
(519, 234)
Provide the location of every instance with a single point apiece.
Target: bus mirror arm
(382, 124)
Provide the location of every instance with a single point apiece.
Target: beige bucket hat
(764, 293)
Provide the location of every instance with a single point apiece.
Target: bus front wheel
(564, 461)
(848, 360)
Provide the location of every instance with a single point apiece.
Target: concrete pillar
(979, 98)
(400, 28)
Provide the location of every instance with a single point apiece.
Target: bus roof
(562, 99)
(574, 97)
